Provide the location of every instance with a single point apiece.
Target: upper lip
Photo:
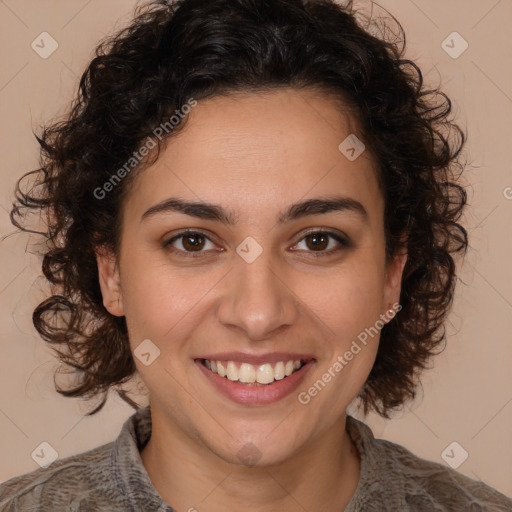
(257, 359)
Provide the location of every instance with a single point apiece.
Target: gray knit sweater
(113, 478)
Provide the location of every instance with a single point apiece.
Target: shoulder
(414, 483)
(428, 483)
(62, 485)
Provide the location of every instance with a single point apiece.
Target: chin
(251, 455)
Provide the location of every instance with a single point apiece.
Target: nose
(258, 300)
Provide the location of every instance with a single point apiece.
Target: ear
(110, 282)
(393, 285)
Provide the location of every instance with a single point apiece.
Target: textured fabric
(113, 478)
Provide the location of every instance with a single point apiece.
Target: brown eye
(193, 242)
(189, 242)
(320, 242)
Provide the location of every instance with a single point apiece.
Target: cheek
(160, 303)
(347, 300)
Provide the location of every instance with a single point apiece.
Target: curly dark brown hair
(174, 51)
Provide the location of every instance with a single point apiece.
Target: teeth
(247, 373)
(279, 371)
(250, 374)
(232, 371)
(265, 374)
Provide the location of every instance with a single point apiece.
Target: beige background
(467, 395)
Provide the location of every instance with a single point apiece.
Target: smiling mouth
(254, 375)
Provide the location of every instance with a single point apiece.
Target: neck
(188, 475)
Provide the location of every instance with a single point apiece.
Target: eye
(319, 241)
(190, 241)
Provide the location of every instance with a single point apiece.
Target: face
(255, 282)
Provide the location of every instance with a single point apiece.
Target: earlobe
(109, 279)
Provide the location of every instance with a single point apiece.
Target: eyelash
(344, 243)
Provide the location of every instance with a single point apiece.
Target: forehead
(257, 149)
(280, 124)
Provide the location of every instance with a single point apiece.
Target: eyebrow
(208, 211)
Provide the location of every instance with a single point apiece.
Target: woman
(254, 206)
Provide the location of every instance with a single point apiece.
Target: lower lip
(249, 394)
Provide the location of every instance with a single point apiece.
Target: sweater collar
(128, 471)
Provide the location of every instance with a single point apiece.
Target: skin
(255, 154)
